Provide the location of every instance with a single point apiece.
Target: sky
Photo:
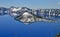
(31, 3)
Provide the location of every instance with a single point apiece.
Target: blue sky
(31, 3)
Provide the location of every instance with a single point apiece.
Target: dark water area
(12, 28)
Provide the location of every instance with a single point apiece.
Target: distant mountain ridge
(28, 15)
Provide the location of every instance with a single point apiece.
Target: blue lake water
(12, 28)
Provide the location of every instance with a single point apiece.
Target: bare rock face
(26, 18)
